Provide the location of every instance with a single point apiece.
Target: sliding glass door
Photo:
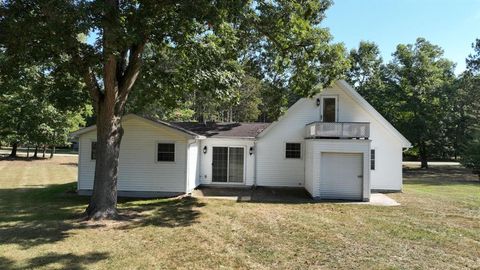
(228, 164)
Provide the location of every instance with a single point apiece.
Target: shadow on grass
(441, 175)
(74, 164)
(19, 158)
(36, 216)
(65, 261)
(177, 212)
(437, 182)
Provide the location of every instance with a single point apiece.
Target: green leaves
(473, 60)
(209, 50)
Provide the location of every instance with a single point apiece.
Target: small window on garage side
(93, 153)
(166, 152)
(293, 150)
(372, 159)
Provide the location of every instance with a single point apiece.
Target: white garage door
(341, 176)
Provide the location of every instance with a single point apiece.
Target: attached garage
(341, 176)
(337, 169)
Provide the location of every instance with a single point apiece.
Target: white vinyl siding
(138, 169)
(273, 169)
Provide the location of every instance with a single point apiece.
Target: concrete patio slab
(278, 195)
(382, 200)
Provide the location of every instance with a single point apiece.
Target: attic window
(293, 150)
(166, 152)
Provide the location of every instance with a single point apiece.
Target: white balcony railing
(338, 130)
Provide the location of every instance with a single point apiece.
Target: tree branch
(93, 86)
(132, 70)
(89, 78)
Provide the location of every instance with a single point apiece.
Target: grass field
(437, 226)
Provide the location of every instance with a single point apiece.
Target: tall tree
(365, 65)
(283, 39)
(28, 112)
(462, 109)
(421, 76)
(473, 60)
(371, 78)
(471, 83)
(471, 153)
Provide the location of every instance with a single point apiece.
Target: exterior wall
(309, 163)
(273, 169)
(388, 149)
(313, 168)
(193, 165)
(138, 169)
(206, 159)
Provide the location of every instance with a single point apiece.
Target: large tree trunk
(120, 71)
(52, 151)
(103, 203)
(35, 154)
(423, 156)
(13, 154)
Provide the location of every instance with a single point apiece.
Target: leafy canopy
(190, 45)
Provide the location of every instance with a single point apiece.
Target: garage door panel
(341, 176)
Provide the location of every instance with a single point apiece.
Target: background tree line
(417, 91)
(35, 109)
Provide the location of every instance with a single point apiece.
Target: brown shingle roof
(211, 129)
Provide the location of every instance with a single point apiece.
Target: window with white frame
(166, 152)
(293, 150)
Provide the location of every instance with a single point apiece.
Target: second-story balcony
(341, 130)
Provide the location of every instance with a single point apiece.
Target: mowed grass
(436, 227)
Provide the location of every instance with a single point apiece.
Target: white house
(335, 145)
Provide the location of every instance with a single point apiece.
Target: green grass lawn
(437, 226)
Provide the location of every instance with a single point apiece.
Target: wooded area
(63, 62)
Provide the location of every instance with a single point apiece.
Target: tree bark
(109, 104)
(423, 156)
(35, 153)
(28, 151)
(44, 150)
(103, 203)
(13, 154)
(52, 151)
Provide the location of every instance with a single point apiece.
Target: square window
(293, 150)
(166, 152)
